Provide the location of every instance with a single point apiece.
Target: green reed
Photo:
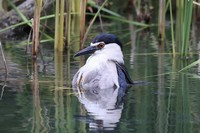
(68, 22)
(182, 26)
(184, 16)
(59, 25)
(172, 28)
(77, 24)
(186, 27)
(22, 16)
(82, 17)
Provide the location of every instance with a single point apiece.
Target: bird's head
(103, 43)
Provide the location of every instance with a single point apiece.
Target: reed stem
(4, 60)
(161, 22)
(187, 25)
(91, 23)
(172, 29)
(59, 26)
(36, 28)
(82, 24)
(68, 23)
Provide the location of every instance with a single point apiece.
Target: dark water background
(40, 99)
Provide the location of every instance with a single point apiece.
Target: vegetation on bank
(77, 17)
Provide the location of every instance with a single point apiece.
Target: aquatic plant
(59, 26)
(184, 13)
(36, 26)
(4, 60)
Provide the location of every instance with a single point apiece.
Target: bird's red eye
(101, 45)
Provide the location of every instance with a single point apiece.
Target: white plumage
(100, 68)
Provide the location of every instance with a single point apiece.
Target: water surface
(39, 98)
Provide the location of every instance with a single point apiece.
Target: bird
(104, 69)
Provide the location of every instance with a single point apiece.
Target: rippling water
(39, 98)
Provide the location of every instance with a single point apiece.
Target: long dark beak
(87, 50)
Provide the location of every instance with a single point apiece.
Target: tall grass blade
(172, 28)
(28, 22)
(184, 18)
(191, 65)
(179, 23)
(187, 25)
(104, 9)
(19, 12)
(120, 19)
(124, 20)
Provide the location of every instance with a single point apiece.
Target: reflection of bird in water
(101, 108)
(103, 79)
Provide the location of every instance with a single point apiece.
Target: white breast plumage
(97, 72)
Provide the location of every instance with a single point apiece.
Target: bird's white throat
(110, 52)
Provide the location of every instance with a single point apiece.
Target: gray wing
(123, 71)
(124, 81)
(121, 67)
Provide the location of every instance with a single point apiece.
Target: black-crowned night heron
(105, 68)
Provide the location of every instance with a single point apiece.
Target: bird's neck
(105, 56)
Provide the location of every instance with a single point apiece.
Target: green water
(40, 99)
